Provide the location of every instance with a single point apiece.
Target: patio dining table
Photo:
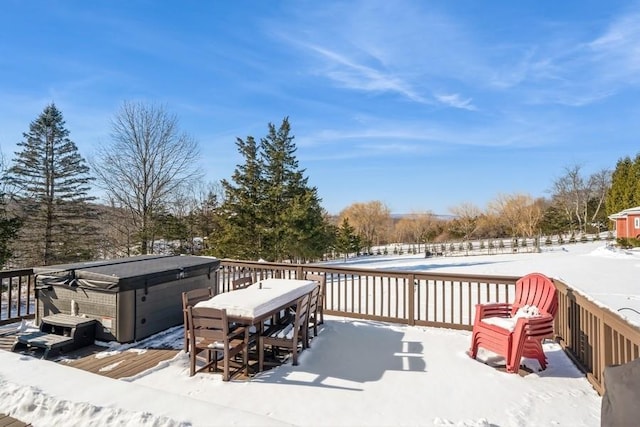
(254, 304)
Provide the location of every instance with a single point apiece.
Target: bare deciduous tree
(519, 213)
(599, 184)
(148, 160)
(466, 219)
(574, 194)
(418, 228)
(370, 220)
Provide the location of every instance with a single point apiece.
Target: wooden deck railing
(593, 336)
(17, 295)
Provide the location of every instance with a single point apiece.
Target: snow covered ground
(356, 372)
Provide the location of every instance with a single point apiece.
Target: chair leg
(305, 337)
(213, 364)
(260, 344)
(539, 354)
(294, 352)
(186, 333)
(245, 360)
(192, 362)
(473, 351)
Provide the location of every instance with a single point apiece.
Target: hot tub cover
(124, 274)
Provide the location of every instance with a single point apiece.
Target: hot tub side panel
(160, 307)
(93, 304)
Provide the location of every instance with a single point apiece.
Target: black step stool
(59, 333)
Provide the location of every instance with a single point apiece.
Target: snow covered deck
(355, 373)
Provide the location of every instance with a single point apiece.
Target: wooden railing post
(411, 293)
(605, 352)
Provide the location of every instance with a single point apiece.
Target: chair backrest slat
(313, 300)
(194, 296)
(302, 309)
(191, 298)
(320, 279)
(208, 323)
(241, 282)
(536, 289)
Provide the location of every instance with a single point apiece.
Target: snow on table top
(261, 298)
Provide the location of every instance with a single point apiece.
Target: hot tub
(131, 298)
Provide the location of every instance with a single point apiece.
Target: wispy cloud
(389, 139)
(353, 75)
(576, 71)
(617, 52)
(456, 101)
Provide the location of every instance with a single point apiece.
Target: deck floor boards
(122, 364)
(7, 421)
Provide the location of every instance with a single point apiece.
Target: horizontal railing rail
(593, 336)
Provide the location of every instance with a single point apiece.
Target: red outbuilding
(627, 223)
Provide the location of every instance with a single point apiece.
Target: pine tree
(293, 219)
(9, 227)
(51, 183)
(269, 210)
(241, 233)
(346, 239)
(618, 197)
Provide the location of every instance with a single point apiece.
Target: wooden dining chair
(316, 314)
(312, 322)
(287, 335)
(210, 332)
(241, 282)
(190, 298)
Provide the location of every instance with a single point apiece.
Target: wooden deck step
(7, 421)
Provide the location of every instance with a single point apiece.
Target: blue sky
(422, 105)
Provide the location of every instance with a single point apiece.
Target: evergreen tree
(51, 184)
(554, 221)
(620, 192)
(269, 210)
(9, 224)
(241, 235)
(8, 231)
(347, 240)
(292, 216)
(625, 186)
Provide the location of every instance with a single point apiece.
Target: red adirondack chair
(496, 329)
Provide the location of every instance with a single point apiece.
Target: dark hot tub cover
(124, 274)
